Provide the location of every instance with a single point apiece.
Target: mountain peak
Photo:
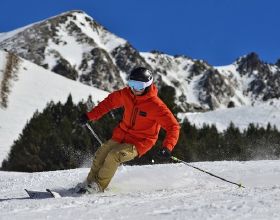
(278, 63)
(249, 63)
(74, 14)
(251, 59)
(73, 45)
(67, 13)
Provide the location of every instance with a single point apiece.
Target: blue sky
(218, 31)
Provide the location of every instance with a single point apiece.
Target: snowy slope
(261, 114)
(33, 88)
(173, 191)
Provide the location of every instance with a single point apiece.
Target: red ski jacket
(143, 116)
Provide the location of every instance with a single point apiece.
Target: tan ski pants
(107, 159)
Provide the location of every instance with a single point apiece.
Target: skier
(144, 115)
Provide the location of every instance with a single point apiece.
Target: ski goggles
(138, 85)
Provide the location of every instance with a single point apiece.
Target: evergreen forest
(53, 139)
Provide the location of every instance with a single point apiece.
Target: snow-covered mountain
(245, 82)
(27, 87)
(76, 46)
(173, 191)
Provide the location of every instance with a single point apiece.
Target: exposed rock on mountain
(215, 89)
(264, 78)
(127, 57)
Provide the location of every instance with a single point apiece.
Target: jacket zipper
(132, 120)
(134, 117)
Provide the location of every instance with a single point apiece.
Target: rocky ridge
(76, 46)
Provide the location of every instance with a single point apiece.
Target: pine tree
(232, 149)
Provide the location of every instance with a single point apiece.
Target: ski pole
(94, 134)
(211, 174)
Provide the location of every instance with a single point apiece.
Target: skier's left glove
(83, 119)
(163, 153)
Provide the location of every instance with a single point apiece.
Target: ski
(54, 194)
(39, 194)
(42, 194)
(49, 193)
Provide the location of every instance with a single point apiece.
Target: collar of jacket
(153, 91)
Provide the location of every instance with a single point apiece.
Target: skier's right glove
(83, 119)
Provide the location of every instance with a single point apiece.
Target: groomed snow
(172, 191)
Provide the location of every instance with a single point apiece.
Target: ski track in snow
(173, 191)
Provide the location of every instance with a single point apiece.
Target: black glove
(83, 119)
(164, 153)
